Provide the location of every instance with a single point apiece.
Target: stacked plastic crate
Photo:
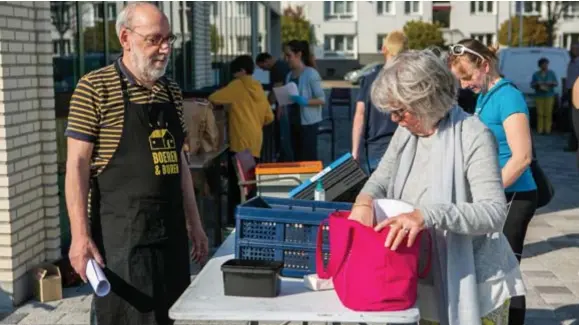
(284, 230)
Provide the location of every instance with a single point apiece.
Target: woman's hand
(363, 213)
(406, 224)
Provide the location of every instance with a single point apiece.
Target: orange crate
(300, 167)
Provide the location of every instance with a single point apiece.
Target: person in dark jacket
(371, 127)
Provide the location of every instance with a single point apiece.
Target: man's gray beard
(146, 69)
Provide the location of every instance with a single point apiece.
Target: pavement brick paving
(550, 263)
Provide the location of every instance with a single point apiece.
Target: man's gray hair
(418, 81)
(125, 17)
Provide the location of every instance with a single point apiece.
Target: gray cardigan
(468, 230)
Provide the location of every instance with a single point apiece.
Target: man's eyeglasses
(459, 49)
(157, 40)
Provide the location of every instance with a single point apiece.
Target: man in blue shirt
(372, 127)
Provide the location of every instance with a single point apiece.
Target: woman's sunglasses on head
(459, 49)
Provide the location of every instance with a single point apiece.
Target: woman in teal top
(544, 82)
(502, 107)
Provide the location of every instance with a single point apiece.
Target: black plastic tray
(251, 278)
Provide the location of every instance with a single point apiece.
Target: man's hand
(81, 250)
(200, 248)
(355, 155)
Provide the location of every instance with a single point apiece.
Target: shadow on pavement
(565, 314)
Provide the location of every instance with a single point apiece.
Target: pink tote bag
(366, 275)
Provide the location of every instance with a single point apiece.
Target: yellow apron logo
(165, 157)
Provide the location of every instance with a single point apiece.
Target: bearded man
(126, 167)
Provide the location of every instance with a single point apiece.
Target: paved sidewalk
(550, 264)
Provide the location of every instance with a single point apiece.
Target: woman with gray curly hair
(443, 161)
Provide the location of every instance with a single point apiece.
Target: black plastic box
(251, 278)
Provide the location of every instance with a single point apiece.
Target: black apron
(137, 217)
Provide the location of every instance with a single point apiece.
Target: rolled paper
(97, 278)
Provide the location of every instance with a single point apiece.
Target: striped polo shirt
(97, 110)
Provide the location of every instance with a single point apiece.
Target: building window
(481, 7)
(441, 13)
(214, 9)
(530, 8)
(242, 8)
(385, 7)
(570, 39)
(412, 7)
(339, 46)
(61, 47)
(571, 9)
(111, 11)
(338, 10)
(487, 38)
(243, 44)
(380, 41)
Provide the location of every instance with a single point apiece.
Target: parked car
(356, 76)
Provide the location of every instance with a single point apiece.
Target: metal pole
(80, 39)
(184, 51)
(106, 49)
(521, 24)
(172, 19)
(498, 4)
(510, 34)
(254, 27)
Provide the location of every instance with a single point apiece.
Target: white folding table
(204, 300)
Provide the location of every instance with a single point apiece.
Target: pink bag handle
(333, 264)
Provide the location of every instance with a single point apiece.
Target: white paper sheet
(386, 208)
(283, 93)
(314, 283)
(97, 279)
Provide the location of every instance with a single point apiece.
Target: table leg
(228, 195)
(218, 228)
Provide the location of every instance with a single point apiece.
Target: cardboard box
(47, 282)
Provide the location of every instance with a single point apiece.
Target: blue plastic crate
(278, 229)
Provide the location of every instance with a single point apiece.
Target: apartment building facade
(349, 33)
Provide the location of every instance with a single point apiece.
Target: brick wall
(29, 211)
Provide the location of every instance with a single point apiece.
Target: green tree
(216, 40)
(94, 38)
(534, 32)
(294, 25)
(422, 34)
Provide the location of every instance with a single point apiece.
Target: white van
(519, 63)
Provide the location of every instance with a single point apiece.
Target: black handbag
(545, 190)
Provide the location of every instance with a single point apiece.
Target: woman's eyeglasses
(398, 113)
(459, 49)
